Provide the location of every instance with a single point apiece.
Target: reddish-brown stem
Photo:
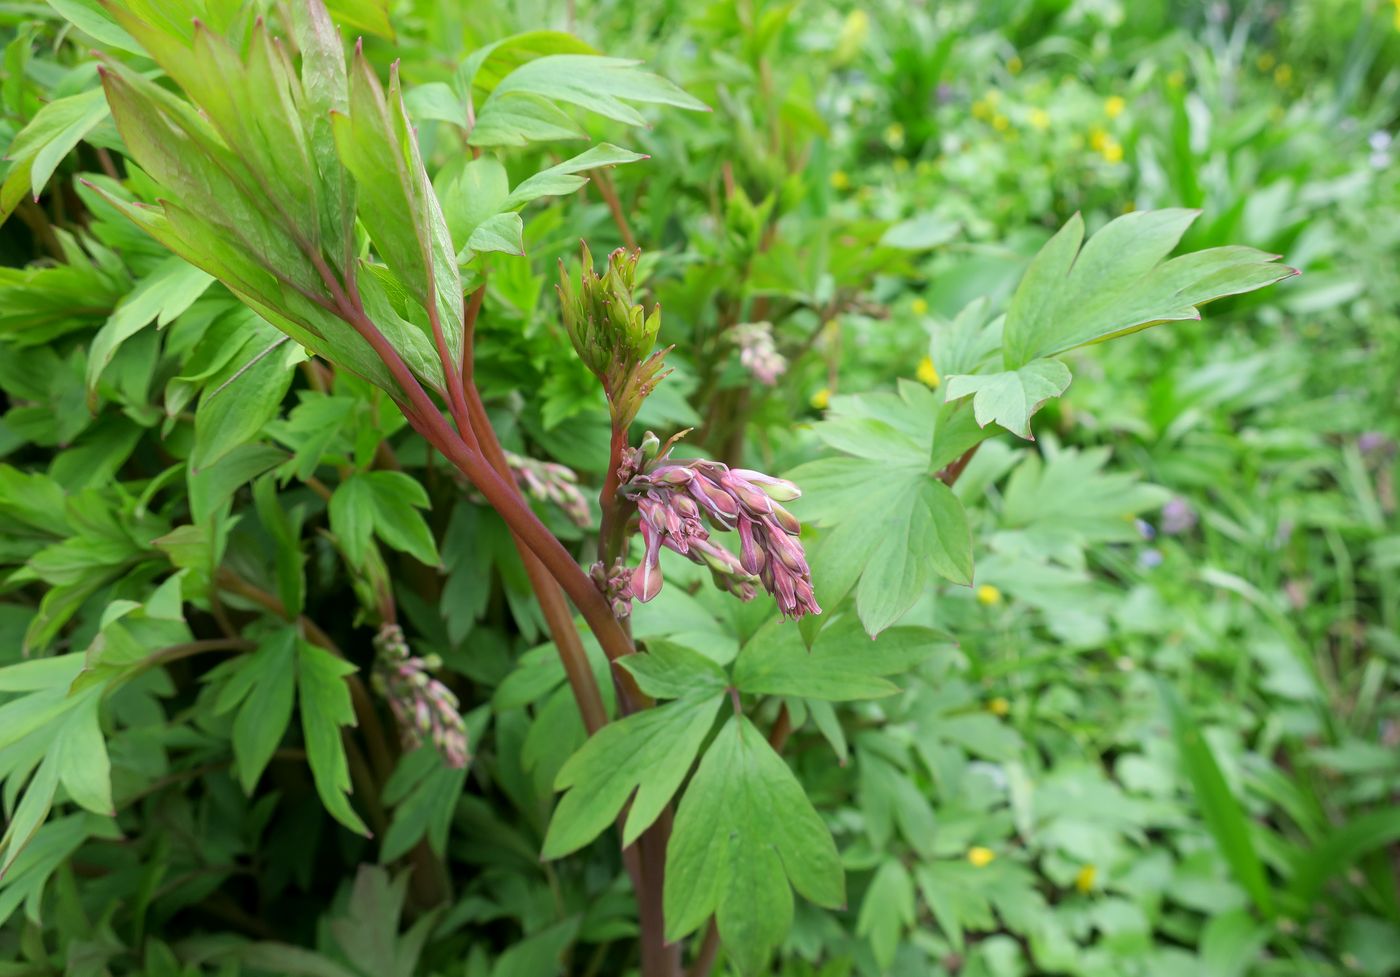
(609, 194)
(425, 418)
(547, 591)
(951, 473)
(614, 519)
(705, 959)
(470, 312)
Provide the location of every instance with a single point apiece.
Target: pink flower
(423, 707)
(672, 496)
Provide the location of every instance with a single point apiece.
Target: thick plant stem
(501, 494)
(547, 591)
(658, 958)
(423, 414)
(614, 521)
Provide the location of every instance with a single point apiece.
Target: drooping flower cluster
(758, 353)
(546, 481)
(423, 707)
(672, 497)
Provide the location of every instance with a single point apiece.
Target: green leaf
(890, 527)
(744, 831)
(90, 18)
(40, 146)
(564, 179)
(1120, 283)
(397, 205)
(928, 533)
(269, 679)
(1230, 944)
(244, 397)
(519, 118)
(385, 504)
(518, 107)
(649, 752)
(843, 663)
(1340, 848)
(84, 768)
(424, 791)
(1221, 810)
(325, 708)
(167, 291)
(1011, 398)
(887, 911)
(363, 15)
(499, 232)
(670, 671)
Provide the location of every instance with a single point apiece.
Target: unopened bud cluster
(546, 481)
(423, 708)
(672, 497)
(612, 334)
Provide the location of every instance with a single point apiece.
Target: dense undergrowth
(1133, 710)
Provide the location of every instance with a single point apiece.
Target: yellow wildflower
(1113, 106)
(998, 706)
(1097, 140)
(1014, 65)
(839, 180)
(1084, 880)
(1000, 122)
(981, 857)
(821, 399)
(1265, 61)
(894, 135)
(981, 109)
(1039, 119)
(928, 373)
(989, 595)
(1112, 151)
(1129, 207)
(1283, 74)
(919, 306)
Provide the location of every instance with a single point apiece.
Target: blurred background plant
(1167, 740)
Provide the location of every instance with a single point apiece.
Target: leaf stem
(609, 194)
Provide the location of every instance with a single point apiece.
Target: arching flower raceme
(423, 707)
(675, 501)
(547, 481)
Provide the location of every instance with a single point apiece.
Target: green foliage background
(1157, 733)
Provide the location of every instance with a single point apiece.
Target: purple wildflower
(672, 497)
(1375, 443)
(1178, 517)
(1150, 558)
(423, 707)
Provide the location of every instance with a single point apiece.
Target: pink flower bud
(777, 489)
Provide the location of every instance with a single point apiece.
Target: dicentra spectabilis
(672, 496)
(423, 707)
